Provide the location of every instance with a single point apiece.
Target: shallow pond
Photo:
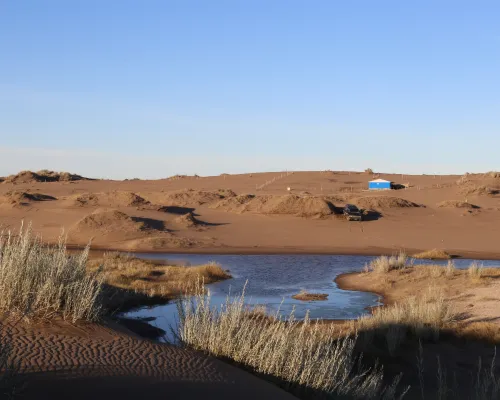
(272, 280)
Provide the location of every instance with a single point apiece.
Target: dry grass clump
(40, 281)
(369, 171)
(385, 264)
(434, 254)
(154, 279)
(306, 356)
(423, 316)
(450, 269)
(475, 271)
(306, 296)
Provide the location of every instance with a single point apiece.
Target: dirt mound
(191, 197)
(308, 206)
(104, 221)
(478, 190)
(20, 198)
(296, 205)
(42, 176)
(457, 204)
(109, 199)
(236, 204)
(188, 220)
(382, 202)
(492, 174)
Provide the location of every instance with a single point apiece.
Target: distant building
(379, 184)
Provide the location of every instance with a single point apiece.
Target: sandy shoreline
(475, 255)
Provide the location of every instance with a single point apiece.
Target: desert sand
(256, 213)
(106, 361)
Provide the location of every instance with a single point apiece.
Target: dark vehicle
(352, 213)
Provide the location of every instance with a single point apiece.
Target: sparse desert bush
(475, 271)
(306, 296)
(303, 354)
(369, 171)
(37, 280)
(385, 264)
(434, 254)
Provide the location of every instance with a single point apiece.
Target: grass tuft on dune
(37, 280)
(304, 355)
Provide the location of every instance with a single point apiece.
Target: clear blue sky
(123, 88)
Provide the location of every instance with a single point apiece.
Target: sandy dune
(90, 361)
(255, 213)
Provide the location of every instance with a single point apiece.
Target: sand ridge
(258, 214)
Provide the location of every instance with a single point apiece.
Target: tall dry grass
(304, 355)
(423, 316)
(484, 383)
(475, 271)
(37, 280)
(384, 264)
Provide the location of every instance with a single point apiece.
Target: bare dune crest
(188, 220)
(383, 202)
(291, 204)
(19, 198)
(191, 197)
(457, 204)
(42, 176)
(105, 220)
(116, 198)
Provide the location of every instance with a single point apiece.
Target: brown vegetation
(434, 254)
(306, 296)
(152, 278)
(43, 281)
